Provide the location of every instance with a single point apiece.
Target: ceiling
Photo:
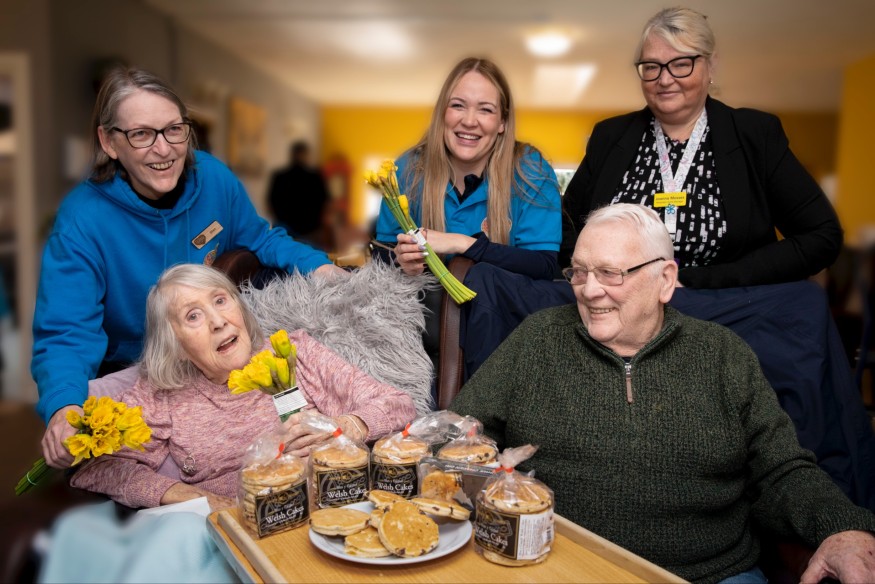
(784, 55)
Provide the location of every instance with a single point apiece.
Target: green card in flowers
(104, 427)
(274, 374)
(386, 182)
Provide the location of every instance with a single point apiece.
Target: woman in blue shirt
(475, 190)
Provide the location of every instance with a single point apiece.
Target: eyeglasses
(605, 276)
(678, 68)
(145, 137)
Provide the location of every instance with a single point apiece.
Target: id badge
(678, 199)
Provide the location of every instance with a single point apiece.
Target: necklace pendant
(189, 466)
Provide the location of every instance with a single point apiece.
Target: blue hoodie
(106, 250)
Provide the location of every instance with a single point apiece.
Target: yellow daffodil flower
(259, 373)
(281, 344)
(102, 416)
(100, 446)
(282, 372)
(79, 446)
(130, 418)
(239, 382)
(89, 405)
(75, 420)
(136, 436)
(405, 206)
(266, 358)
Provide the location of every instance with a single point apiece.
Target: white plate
(453, 535)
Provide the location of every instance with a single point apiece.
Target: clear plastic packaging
(339, 467)
(514, 523)
(395, 457)
(272, 494)
(471, 446)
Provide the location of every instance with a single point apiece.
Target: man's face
(626, 317)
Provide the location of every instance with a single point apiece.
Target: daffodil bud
(281, 344)
(283, 374)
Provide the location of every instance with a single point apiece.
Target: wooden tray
(578, 555)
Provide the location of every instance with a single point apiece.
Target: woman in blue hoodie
(152, 201)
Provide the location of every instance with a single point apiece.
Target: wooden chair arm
(451, 359)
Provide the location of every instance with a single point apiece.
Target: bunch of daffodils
(271, 372)
(386, 182)
(104, 427)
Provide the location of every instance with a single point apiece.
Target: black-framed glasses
(678, 68)
(605, 276)
(145, 137)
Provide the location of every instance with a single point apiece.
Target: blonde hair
(430, 163)
(683, 29)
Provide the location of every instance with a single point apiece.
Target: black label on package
(400, 479)
(282, 510)
(338, 487)
(496, 531)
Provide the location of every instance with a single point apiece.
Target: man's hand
(58, 430)
(847, 556)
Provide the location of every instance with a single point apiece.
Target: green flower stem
(33, 477)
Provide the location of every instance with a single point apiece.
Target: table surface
(577, 555)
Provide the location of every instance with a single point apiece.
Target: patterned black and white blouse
(701, 224)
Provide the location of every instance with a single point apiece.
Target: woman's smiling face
(153, 171)
(472, 122)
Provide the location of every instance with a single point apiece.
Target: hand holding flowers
(386, 181)
(104, 427)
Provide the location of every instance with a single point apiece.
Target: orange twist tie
(337, 432)
(472, 432)
(405, 432)
(281, 448)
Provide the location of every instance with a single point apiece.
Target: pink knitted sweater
(205, 422)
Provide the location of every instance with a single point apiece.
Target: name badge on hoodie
(207, 234)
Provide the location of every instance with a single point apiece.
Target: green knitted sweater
(680, 474)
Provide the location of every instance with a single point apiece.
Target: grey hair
(163, 361)
(652, 234)
(119, 84)
(683, 29)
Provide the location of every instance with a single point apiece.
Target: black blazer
(763, 185)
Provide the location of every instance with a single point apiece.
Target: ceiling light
(548, 44)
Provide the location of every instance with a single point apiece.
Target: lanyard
(671, 184)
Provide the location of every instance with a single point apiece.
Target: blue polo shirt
(536, 216)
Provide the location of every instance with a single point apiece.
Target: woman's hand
(58, 430)
(180, 492)
(331, 271)
(299, 439)
(411, 257)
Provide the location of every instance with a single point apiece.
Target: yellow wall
(363, 133)
(374, 133)
(855, 202)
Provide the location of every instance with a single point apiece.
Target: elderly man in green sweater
(656, 430)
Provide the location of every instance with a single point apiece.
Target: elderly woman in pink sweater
(197, 331)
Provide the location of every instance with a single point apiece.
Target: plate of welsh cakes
(390, 530)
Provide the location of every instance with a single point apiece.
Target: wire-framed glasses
(145, 137)
(678, 68)
(605, 276)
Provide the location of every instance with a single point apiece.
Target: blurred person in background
(299, 198)
(479, 193)
(152, 201)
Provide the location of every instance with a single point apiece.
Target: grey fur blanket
(373, 319)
